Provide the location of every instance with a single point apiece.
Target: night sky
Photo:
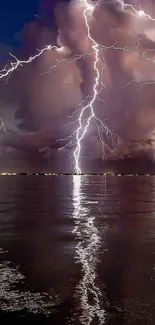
(14, 13)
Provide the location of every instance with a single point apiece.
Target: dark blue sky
(14, 13)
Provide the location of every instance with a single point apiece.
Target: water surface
(77, 250)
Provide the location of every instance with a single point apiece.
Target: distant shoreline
(22, 163)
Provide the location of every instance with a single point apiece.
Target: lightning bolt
(2, 125)
(7, 71)
(143, 14)
(82, 131)
(83, 124)
(83, 128)
(140, 12)
(78, 134)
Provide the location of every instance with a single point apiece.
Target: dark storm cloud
(129, 112)
(42, 99)
(46, 99)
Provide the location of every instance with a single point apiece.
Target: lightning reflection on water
(87, 292)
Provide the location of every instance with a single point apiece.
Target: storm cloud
(44, 100)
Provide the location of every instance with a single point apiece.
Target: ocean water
(77, 250)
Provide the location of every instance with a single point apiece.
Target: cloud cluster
(45, 99)
(129, 112)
